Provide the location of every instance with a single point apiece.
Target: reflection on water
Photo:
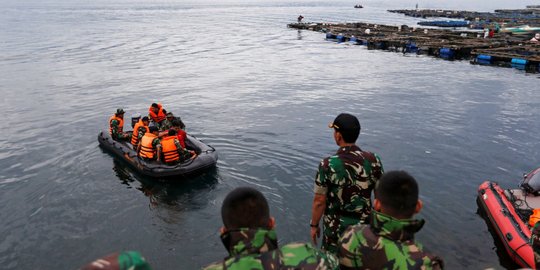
(167, 193)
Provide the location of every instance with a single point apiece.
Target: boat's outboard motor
(134, 119)
(531, 182)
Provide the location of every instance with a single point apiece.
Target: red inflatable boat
(508, 211)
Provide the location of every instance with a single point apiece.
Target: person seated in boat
(150, 146)
(388, 241)
(125, 260)
(116, 126)
(139, 130)
(172, 151)
(157, 113)
(249, 236)
(300, 18)
(181, 135)
(167, 123)
(536, 38)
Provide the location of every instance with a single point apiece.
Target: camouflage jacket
(165, 124)
(183, 153)
(141, 132)
(127, 260)
(535, 242)
(387, 243)
(116, 134)
(346, 179)
(255, 249)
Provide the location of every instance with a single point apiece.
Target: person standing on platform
(343, 184)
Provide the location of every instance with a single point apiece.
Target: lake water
(262, 95)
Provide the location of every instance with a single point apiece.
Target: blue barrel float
(330, 36)
(353, 40)
(484, 59)
(340, 38)
(411, 47)
(446, 53)
(519, 63)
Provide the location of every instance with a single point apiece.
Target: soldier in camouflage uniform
(388, 241)
(168, 122)
(248, 235)
(343, 184)
(535, 242)
(116, 126)
(127, 260)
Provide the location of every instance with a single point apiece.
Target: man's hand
(315, 233)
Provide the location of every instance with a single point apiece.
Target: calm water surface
(262, 94)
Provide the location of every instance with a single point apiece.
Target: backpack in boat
(531, 182)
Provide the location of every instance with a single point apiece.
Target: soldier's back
(289, 257)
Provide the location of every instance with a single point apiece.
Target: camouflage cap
(120, 111)
(170, 114)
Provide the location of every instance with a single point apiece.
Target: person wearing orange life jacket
(150, 146)
(116, 126)
(157, 113)
(139, 130)
(173, 152)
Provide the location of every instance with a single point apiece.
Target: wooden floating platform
(504, 49)
(508, 17)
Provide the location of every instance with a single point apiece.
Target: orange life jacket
(147, 149)
(169, 149)
(160, 116)
(120, 124)
(135, 135)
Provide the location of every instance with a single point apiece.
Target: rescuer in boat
(343, 184)
(116, 126)
(181, 135)
(167, 123)
(157, 113)
(172, 150)
(388, 241)
(150, 146)
(139, 130)
(248, 235)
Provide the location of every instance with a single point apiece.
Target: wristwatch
(313, 225)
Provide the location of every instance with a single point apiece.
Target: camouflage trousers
(334, 226)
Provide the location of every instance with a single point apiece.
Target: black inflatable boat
(206, 157)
